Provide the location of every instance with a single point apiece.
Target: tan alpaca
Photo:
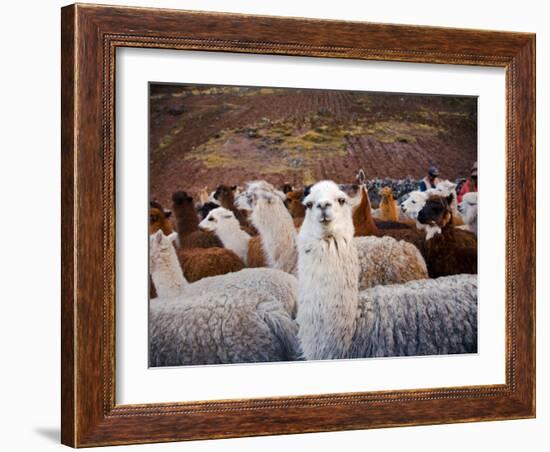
(388, 205)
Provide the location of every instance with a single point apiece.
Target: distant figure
(431, 180)
(470, 185)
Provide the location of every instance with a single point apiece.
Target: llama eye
(414, 202)
(211, 219)
(341, 201)
(309, 205)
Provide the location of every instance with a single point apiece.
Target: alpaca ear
(233, 187)
(171, 237)
(449, 199)
(167, 213)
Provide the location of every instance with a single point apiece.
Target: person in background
(431, 180)
(470, 184)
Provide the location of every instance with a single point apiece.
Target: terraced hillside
(206, 136)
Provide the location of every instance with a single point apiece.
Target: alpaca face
(216, 218)
(328, 211)
(445, 188)
(293, 203)
(414, 204)
(468, 207)
(158, 220)
(436, 211)
(225, 195)
(386, 192)
(159, 245)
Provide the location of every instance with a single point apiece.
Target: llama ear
(233, 187)
(449, 199)
(167, 213)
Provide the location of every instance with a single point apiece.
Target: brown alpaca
(362, 216)
(388, 206)
(159, 220)
(453, 251)
(187, 224)
(200, 263)
(294, 204)
(256, 256)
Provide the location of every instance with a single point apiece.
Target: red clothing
(466, 188)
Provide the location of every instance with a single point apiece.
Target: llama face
(468, 207)
(328, 211)
(159, 220)
(386, 192)
(436, 211)
(414, 204)
(216, 218)
(445, 188)
(293, 203)
(159, 245)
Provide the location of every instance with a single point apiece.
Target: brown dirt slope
(205, 136)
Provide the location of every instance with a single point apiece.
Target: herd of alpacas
(260, 274)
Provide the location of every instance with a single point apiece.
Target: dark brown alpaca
(225, 195)
(452, 251)
(187, 224)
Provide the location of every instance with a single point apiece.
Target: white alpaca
(225, 225)
(278, 236)
(336, 321)
(273, 222)
(244, 316)
(414, 204)
(468, 210)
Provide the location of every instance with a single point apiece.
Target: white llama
(337, 321)
(273, 222)
(468, 210)
(245, 316)
(225, 225)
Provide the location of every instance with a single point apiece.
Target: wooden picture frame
(90, 36)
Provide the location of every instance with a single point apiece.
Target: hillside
(205, 136)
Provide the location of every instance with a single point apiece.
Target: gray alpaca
(242, 317)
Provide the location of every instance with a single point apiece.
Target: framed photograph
(281, 225)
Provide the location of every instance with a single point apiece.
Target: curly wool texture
(429, 317)
(221, 327)
(198, 263)
(279, 284)
(384, 260)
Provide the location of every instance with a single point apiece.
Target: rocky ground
(206, 136)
